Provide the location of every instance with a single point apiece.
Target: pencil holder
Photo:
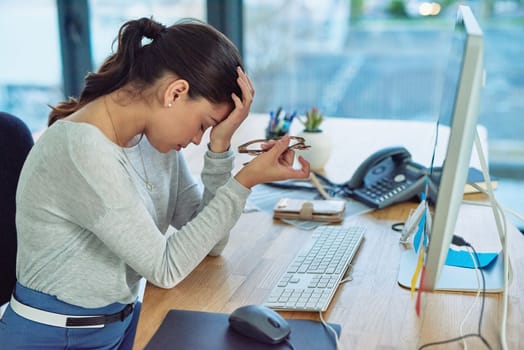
(274, 135)
(279, 124)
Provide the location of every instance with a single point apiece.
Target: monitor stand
(453, 278)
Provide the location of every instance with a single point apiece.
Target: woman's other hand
(274, 165)
(220, 136)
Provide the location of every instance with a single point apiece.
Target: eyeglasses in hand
(254, 147)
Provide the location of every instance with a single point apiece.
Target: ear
(175, 90)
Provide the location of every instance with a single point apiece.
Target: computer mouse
(260, 323)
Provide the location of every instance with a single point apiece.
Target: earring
(169, 105)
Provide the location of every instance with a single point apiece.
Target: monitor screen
(459, 111)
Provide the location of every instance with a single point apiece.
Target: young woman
(102, 185)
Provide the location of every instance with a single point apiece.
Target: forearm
(206, 234)
(215, 173)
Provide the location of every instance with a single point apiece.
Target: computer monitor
(459, 110)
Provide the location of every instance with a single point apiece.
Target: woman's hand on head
(220, 136)
(274, 165)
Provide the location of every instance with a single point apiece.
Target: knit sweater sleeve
(191, 198)
(165, 260)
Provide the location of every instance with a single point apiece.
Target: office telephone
(386, 177)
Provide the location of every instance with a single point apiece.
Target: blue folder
(191, 330)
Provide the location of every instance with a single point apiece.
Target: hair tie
(161, 29)
(152, 29)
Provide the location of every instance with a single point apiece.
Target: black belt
(100, 320)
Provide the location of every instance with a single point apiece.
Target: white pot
(318, 154)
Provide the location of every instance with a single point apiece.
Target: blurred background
(350, 58)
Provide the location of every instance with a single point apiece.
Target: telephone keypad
(386, 188)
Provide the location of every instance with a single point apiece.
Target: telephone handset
(386, 177)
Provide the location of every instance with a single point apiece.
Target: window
(108, 16)
(30, 64)
(373, 59)
(382, 62)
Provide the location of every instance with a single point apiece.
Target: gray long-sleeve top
(88, 229)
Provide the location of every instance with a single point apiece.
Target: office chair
(15, 142)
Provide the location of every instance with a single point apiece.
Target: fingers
(244, 81)
(223, 131)
(281, 145)
(247, 89)
(288, 157)
(291, 173)
(267, 145)
(305, 167)
(274, 165)
(242, 105)
(237, 101)
(248, 92)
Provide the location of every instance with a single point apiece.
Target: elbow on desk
(163, 286)
(168, 276)
(166, 283)
(215, 253)
(219, 247)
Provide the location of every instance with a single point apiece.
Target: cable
(328, 327)
(448, 341)
(398, 226)
(477, 273)
(318, 182)
(514, 213)
(507, 266)
(459, 241)
(497, 209)
(349, 278)
(504, 209)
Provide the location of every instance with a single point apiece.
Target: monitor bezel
(460, 145)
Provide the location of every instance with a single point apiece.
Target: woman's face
(175, 127)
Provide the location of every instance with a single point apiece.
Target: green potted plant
(320, 143)
(312, 120)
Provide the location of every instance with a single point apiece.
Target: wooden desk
(375, 313)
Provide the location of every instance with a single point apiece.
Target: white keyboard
(312, 278)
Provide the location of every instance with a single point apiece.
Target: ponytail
(192, 50)
(117, 69)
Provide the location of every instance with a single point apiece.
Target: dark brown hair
(191, 49)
